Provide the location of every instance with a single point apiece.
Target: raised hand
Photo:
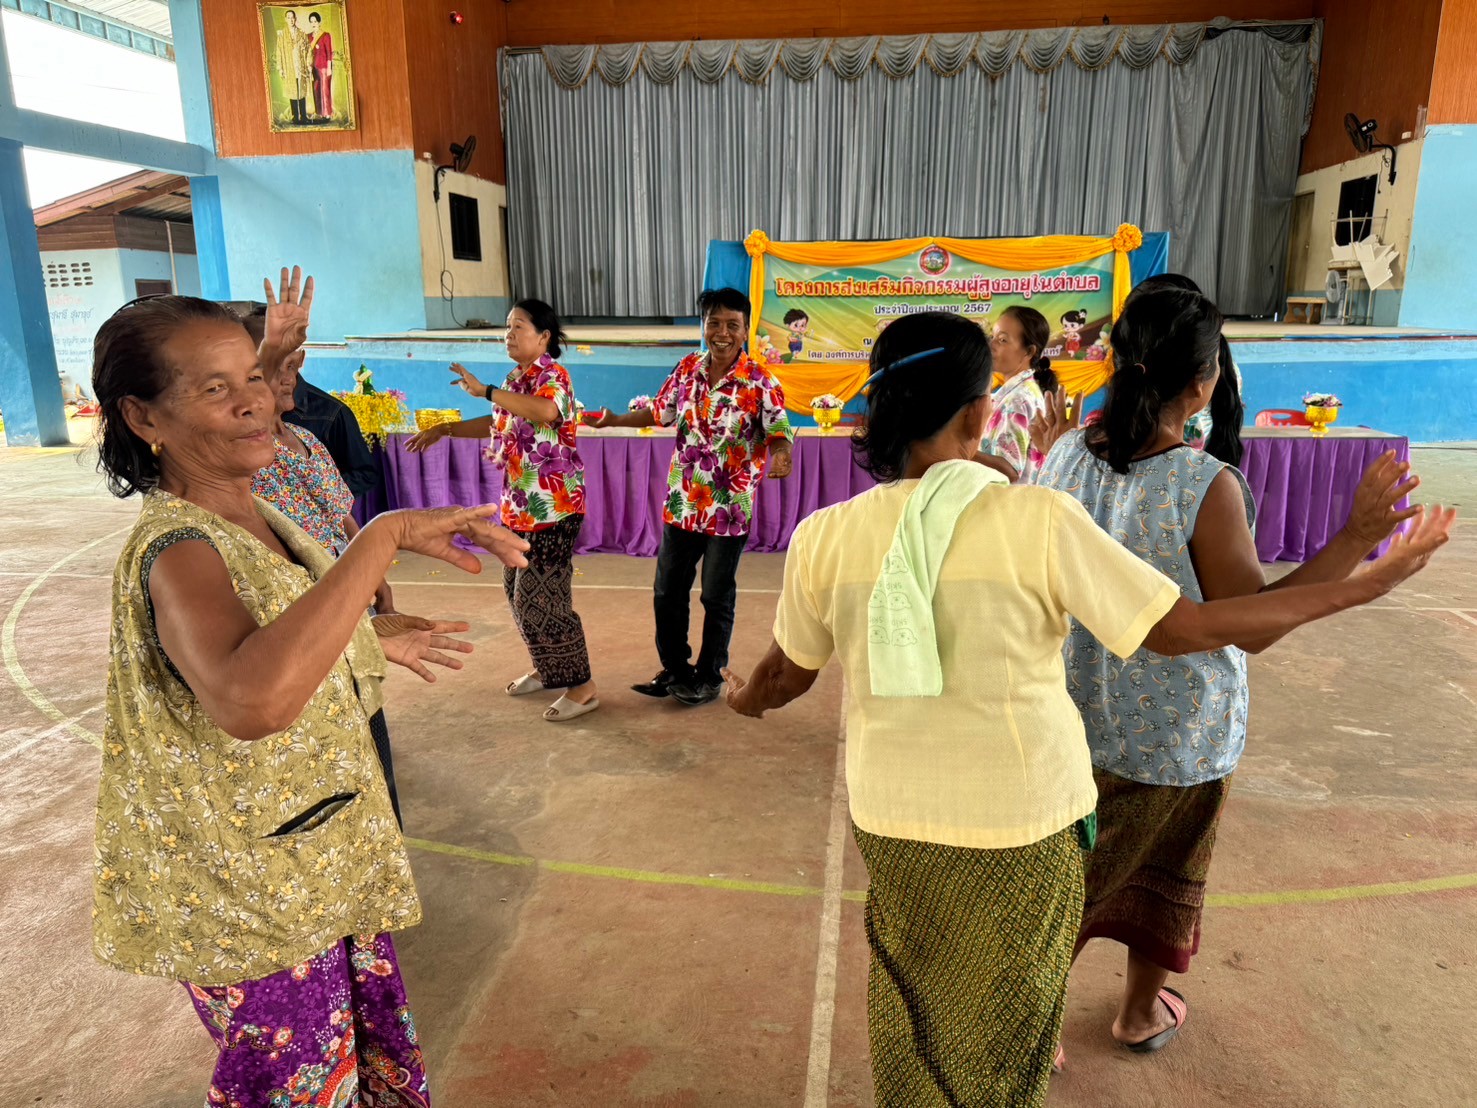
(465, 380)
(1374, 516)
(414, 642)
(422, 441)
(1411, 550)
(431, 531)
(289, 312)
(1055, 419)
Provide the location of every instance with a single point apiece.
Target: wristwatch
(487, 394)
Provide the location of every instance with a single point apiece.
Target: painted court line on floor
(72, 726)
(1274, 897)
(12, 660)
(823, 1009)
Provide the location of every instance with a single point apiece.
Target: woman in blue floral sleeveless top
(1166, 733)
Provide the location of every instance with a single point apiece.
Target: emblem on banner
(935, 260)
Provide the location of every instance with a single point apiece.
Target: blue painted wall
(1443, 234)
(1423, 389)
(1419, 388)
(606, 377)
(348, 219)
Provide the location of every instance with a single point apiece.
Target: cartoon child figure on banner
(799, 323)
(1072, 324)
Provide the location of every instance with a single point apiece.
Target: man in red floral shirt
(732, 432)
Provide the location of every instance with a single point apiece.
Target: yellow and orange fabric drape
(845, 379)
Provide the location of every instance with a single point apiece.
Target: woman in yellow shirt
(946, 593)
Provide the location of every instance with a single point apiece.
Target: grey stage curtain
(624, 161)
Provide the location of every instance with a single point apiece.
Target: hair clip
(899, 363)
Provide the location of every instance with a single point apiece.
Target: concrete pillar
(193, 70)
(30, 390)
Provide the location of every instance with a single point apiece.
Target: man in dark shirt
(329, 419)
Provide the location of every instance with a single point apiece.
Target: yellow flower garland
(379, 413)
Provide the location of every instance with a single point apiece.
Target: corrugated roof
(151, 16)
(148, 194)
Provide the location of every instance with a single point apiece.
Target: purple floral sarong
(335, 1030)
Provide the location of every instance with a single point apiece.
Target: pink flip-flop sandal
(1178, 1009)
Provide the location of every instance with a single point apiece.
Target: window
(466, 230)
(152, 288)
(68, 275)
(1356, 210)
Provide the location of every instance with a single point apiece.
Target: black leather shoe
(696, 694)
(658, 687)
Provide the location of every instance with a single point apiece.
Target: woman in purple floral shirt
(533, 429)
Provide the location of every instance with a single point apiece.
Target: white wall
(482, 285)
(77, 312)
(1394, 202)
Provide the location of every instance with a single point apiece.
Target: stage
(1407, 381)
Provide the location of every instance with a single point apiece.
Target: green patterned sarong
(969, 957)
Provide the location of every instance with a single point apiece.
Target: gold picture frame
(306, 65)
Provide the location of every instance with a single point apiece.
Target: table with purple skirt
(1303, 485)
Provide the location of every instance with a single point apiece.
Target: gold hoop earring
(156, 448)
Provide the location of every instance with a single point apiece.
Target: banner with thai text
(814, 314)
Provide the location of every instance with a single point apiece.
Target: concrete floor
(662, 908)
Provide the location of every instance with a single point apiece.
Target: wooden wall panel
(238, 86)
(453, 79)
(1377, 62)
(1454, 83)
(544, 22)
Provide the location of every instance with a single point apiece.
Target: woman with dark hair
(1166, 733)
(245, 841)
(1217, 426)
(947, 593)
(533, 431)
(1017, 344)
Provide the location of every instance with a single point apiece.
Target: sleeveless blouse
(198, 875)
(1152, 719)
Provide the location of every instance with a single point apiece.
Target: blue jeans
(676, 569)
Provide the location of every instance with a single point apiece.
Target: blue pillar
(30, 390)
(193, 69)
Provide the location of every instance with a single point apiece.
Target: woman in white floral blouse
(1017, 344)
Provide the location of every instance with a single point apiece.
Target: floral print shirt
(1008, 432)
(544, 480)
(1152, 719)
(724, 432)
(309, 491)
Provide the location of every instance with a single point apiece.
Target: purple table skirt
(1303, 487)
(625, 485)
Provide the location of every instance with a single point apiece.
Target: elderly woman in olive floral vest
(245, 842)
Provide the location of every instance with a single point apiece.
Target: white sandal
(527, 684)
(563, 710)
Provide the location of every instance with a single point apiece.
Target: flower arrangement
(826, 402)
(1127, 238)
(378, 413)
(639, 404)
(1322, 400)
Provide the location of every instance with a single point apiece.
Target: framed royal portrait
(305, 58)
